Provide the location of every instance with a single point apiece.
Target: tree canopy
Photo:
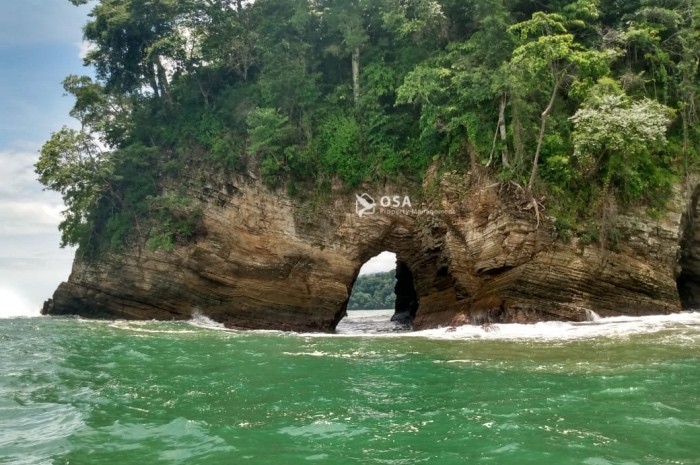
(373, 291)
(589, 103)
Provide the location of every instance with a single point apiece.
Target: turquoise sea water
(619, 391)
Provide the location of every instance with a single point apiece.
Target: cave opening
(688, 270)
(383, 297)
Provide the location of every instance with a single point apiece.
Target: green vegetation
(589, 104)
(373, 291)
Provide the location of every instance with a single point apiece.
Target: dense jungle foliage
(373, 291)
(588, 106)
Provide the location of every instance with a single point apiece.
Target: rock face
(688, 269)
(269, 261)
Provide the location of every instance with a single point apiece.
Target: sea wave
(202, 321)
(14, 305)
(621, 326)
(611, 327)
(683, 327)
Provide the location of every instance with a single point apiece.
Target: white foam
(137, 326)
(622, 326)
(202, 321)
(13, 305)
(616, 327)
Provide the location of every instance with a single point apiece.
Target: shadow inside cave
(688, 276)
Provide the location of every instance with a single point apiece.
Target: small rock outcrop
(468, 255)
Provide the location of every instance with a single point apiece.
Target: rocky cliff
(271, 261)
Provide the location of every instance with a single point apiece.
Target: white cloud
(24, 207)
(385, 261)
(54, 212)
(85, 47)
(19, 179)
(28, 217)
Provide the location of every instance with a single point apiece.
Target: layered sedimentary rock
(474, 253)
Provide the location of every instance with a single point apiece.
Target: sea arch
(422, 271)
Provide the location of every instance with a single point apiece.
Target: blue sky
(40, 44)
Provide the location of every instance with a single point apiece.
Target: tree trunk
(518, 144)
(203, 92)
(473, 158)
(543, 125)
(163, 80)
(502, 129)
(356, 74)
(152, 80)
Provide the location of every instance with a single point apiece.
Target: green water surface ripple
(80, 392)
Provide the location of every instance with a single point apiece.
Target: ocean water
(611, 391)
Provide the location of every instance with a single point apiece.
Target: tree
(344, 17)
(462, 92)
(373, 291)
(135, 42)
(287, 80)
(308, 92)
(687, 76)
(103, 115)
(269, 141)
(227, 37)
(615, 140)
(549, 52)
(72, 164)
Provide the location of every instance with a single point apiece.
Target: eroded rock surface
(272, 262)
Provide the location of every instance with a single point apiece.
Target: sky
(40, 44)
(385, 261)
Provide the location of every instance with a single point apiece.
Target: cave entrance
(383, 297)
(688, 278)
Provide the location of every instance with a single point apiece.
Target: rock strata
(269, 261)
